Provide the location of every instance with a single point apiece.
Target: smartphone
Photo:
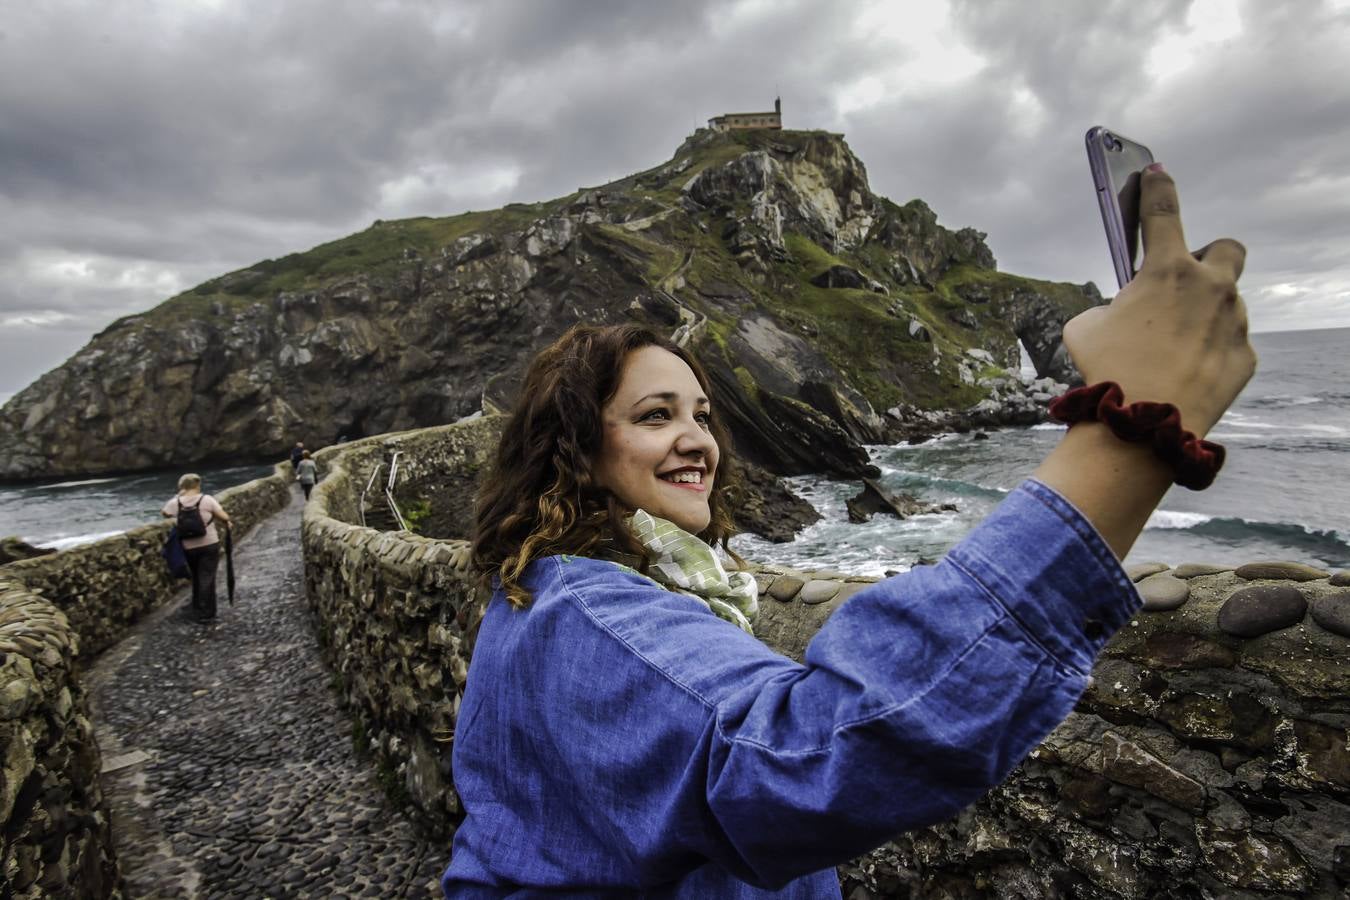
(1117, 164)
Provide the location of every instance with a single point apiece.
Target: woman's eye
(704, 419)
(656, 414)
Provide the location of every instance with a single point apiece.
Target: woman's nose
(694, 439)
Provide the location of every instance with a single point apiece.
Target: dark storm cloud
(1249, 127)
(144, 149)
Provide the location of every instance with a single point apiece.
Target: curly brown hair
(540, 498)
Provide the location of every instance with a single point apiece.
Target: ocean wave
(1049, 426)
(1293, 428)
(1280, 400)
(1167, 518)
(66, 484)
(1324, 543)
(64, 543)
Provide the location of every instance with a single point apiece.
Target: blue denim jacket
(617, 739)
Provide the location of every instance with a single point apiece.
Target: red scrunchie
(1195, 461)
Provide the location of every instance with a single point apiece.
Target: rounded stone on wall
(1140, 571)
(1163, 592)
(1332, 612)
(1195, 570)
(1286, 571)
(1254, 611)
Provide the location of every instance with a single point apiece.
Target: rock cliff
(816, 305)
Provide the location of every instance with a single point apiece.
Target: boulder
(873, 498)
(841, 277)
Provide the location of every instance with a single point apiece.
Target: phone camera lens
(1112, 143)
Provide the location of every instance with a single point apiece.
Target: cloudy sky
(147, 145)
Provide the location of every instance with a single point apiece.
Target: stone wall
(55, 612)
(1208, 759)
(395, 610)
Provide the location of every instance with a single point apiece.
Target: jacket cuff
(1052, 572)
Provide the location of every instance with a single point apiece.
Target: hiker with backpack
(195, 515)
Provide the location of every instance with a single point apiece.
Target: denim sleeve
(918, 695)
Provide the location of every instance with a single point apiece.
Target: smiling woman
(617, 737)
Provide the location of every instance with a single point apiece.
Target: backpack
(190, 524)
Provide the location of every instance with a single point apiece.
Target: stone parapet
(1208, 757)
(56, 838)
(56, 612)
(395, 611)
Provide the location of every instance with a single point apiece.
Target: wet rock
(1332, 612)
(1288, 571)
(874, 499)
(1341, 579)
(1163, 592)
(1258, 610)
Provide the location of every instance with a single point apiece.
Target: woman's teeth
(685, 477)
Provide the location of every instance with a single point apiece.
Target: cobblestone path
(228, 764)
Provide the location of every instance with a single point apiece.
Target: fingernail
(1155, 167)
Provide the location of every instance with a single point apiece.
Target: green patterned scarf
(686, 564)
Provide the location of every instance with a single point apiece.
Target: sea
(1284, 492)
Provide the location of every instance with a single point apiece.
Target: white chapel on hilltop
(733, 121)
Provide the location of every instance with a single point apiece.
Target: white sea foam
(64, 543)
(66, 484)
(1049, 426)
(1167, 518)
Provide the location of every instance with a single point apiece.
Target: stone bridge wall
(1199, 763)
(395, 609)
(56, 612)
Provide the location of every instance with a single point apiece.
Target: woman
(203, 553)
(306, 472)
(622, 734)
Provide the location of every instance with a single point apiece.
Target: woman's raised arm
(1175, 334)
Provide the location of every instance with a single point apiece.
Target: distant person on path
(297, 453)
(622, 733)
(307, 473)
(203, 552)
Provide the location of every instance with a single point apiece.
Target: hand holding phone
(1117, 164)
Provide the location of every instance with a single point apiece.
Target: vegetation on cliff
(816, 305)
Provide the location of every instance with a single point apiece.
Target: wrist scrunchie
(1194, 461)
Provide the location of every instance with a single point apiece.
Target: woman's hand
(1177, 333)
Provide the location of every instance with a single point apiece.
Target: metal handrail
(389, 491)
(361, 506)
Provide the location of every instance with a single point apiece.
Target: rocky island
(827, 316)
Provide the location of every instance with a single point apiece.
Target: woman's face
(657, 452)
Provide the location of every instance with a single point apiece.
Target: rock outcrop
(814, 303)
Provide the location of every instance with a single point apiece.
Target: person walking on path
(203, 550)
(297, 453)
(307, 473)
